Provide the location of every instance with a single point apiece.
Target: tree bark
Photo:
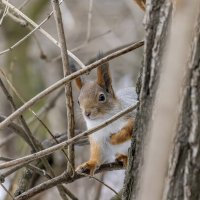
(183, 180)
(158, 14)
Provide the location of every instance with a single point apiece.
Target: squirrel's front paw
(87, 167)
(122, 158)
(114, 139)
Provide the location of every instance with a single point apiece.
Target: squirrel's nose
(87, 113)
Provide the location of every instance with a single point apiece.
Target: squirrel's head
(97, 98)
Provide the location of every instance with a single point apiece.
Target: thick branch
(183, 179)
(64, 178)
(158, 14)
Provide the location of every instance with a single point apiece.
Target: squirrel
(99, 102)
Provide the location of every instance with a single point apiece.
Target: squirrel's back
(127, 97)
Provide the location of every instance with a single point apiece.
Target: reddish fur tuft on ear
(141, 4)
(104, 79)
(79, 83)
(78, 80)
(103, 75)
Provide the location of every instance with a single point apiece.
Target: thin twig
(67, 79)
(70, 194)
(17, 129)
(42, 54)
(83, 44)
(30, 21)
(62, 145)
(5, 189)
(46, 143)
(36, 27)
(22, 120)
(47, 107)
(36, 146)
(17, 19)
(63, 137)
(119, 196)
(89, 22)
(99, 188)
(4, 14)
(26, 36)
(106, 185)
(24, 124)
(32, 167)
(24, 4)
(68, 87)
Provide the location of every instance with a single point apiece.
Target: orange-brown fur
(100, 77)
(124, 134)
(141, 4)
(94, 160)
(123, 159)
(79, 83)
(103, 78)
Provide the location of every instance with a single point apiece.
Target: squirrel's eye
(78, 102)
(102, 97)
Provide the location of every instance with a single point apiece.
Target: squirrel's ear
(104, 79)
(141, 4)
(79, 83)
(78, 80)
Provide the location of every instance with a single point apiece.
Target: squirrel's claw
(82, 169)
(87, 168)
(122, 159)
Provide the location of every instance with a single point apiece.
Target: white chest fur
(102, 137)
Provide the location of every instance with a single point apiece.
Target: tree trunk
(158, 14)
(183, 177)
(183, 180)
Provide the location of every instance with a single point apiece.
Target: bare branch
(17, 19)
(67, 79)
(62, 145)
(64, 178)
(63, 137)
(16, 129)
(24, 4)
(30, 21)
(4, 14)
(68, 87)
(36, 27)
(36, 146)
(89, 21)
(29, 166)
(6, 191)
(100, 181)
(22, 120)
(99, 188)
(47, 107)
(70, 194)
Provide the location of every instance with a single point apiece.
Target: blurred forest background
(90, 27)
